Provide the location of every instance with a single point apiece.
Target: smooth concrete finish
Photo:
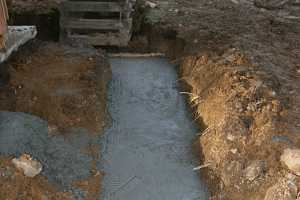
(147, 151)
(17, 36)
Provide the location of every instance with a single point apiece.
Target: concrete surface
(63, 160)
(17, 36)
(146, 153)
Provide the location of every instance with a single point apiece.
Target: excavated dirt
(240, 62)
(66, 87)
(61, 84)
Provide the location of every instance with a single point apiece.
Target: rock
(254, 170)
(234, 151)
(30, 167)
(283, 190)
(150, 4)
(291, 159)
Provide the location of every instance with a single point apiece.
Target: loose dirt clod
(291, 159)
(30, 167)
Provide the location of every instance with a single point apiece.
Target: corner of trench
(241, 109)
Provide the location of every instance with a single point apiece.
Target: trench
(147, 151)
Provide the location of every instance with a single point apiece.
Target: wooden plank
(3, 23)
(92, 24)
(91, 6)
(101, 39)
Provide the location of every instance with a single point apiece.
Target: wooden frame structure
(3, 23)
(97, 22)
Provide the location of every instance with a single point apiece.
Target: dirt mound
(61, 84)
(38, 6)
(240, 67)
(246, 132)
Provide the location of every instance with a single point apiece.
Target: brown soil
(65, 86)
(37, 6)
(60, 84)
(92, 185)
(240, 63)
(14, 185)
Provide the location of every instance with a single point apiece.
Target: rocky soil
(240, 64)
(62, 84)
(62, 90)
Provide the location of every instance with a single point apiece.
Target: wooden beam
(92, 24)
(91, 6)
(101, 39)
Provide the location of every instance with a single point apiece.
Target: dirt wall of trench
(240, 92)
(245, 133)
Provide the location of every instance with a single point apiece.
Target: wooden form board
(3, 21)
(113, 30)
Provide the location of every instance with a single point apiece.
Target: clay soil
(240, 62)
(240, 65)
(65, 86)
(60, 84)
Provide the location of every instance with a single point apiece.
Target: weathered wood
(100, 39)
(92, 6)
(3, 24)
(99, 32)
(93, 24)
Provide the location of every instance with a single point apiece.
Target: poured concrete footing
(17, 36)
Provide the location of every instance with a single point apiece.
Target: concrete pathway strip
(147, 151)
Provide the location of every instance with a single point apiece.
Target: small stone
(230, 137)
(150, 4)
(30, 167)
(291, 159)
(234, 151)
(254, 170)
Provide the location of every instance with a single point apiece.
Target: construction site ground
(239, 65)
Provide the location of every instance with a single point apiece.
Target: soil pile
(239, 61)
(64, 85)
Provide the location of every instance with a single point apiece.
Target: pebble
(291, 159)
(27, 165)
(254, 170)
(150, 4)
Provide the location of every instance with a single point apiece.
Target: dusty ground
(60, 84)
(21, 6)
(240, 61)
(66, 86)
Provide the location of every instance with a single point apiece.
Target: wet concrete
(146, 153)
(63, 160)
